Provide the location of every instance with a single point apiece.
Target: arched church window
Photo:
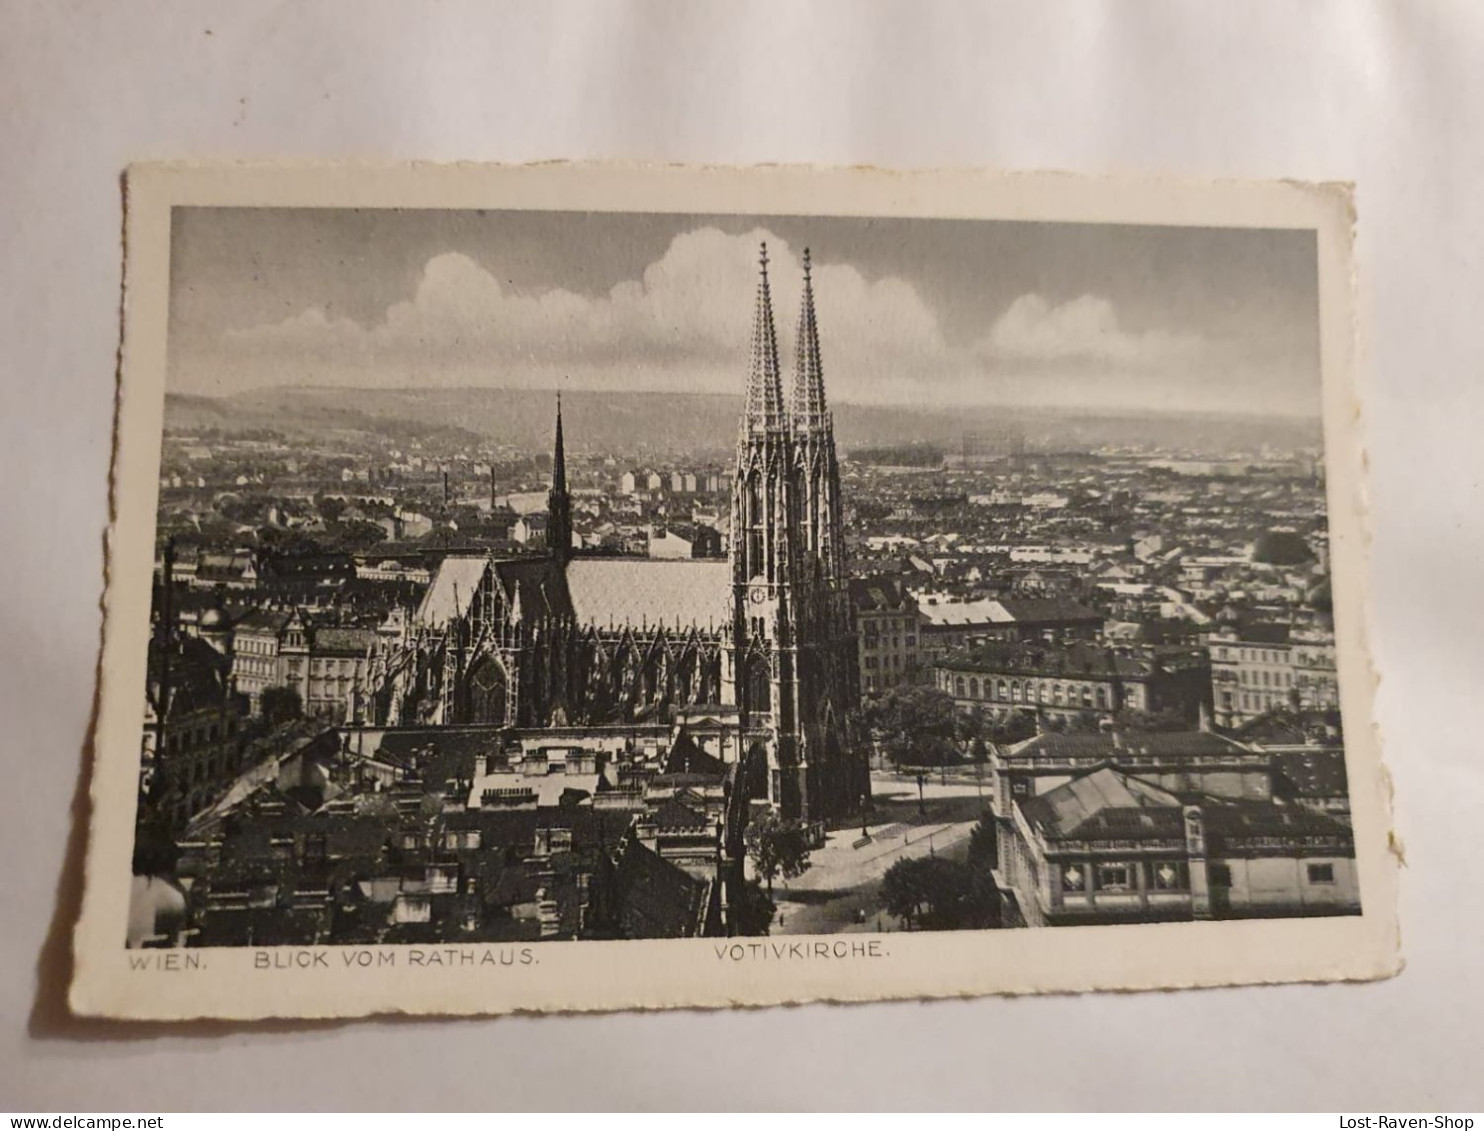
(755, 565)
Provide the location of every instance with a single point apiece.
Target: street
(841, 890)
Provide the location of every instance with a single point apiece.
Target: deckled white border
(658, 974)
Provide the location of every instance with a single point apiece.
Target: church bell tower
(794, 648)
(764, 559)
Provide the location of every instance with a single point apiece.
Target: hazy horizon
(557, 390)
(946, 313)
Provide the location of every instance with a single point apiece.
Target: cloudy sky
(911, 311)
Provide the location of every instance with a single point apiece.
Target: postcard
(564, 587)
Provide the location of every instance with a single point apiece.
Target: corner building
(764, 642)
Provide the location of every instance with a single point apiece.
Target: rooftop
(1110, 747)
(634, 591)
(1077, 660)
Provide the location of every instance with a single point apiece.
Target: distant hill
(666, 424)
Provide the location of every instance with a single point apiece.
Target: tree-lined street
(841, 890)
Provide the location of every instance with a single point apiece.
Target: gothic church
(764, 641)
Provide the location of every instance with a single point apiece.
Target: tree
(984, 844)
(354, 534)
(935, 894)
(1017, 727)
(1084, 722)
(916, 726)
(281, 705)
(754, 910)
(777, 848)
(1152, 721)
(330, 509)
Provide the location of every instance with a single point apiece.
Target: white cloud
(684, 326)
(1084, 329)
(685, 323)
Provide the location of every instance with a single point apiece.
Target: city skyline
(929, 312)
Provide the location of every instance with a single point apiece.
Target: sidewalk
(843, 881)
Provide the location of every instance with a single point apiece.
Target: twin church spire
(765, 410)
(800, 426)
(786, 512)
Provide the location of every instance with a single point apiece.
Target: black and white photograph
(794, 582)
(793, 555)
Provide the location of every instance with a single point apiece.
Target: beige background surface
(1380, 94)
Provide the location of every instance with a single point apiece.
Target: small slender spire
(559, 455)
(764, 410)
(558, 502)
(808, 411)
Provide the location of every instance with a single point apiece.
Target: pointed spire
(764, 411)
(559, 455)
(808, 410)
(558, 502)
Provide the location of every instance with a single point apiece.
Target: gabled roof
(1234, 826)
(674, 815)
(687, 757)
(536, 586)
(262, 621)
(875, 594)
(452, 590)
(1286, 727)
(946, 613)
(1110, 747)
(657, 899)
(344, 641)
(1105, 803)
(1047, 610)
(1264, 634)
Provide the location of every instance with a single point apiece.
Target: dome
(213, 618)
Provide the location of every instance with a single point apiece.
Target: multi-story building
(1108, 847)
(1269, 667)
(192, 744)
(325, 663)
(255, 639)
(948, 625)
(1067, 680)
(886, 619)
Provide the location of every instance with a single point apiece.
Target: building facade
(1271, 667)
(886, 620)
(1109, 847)
(948, 626)
(1066, 681)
